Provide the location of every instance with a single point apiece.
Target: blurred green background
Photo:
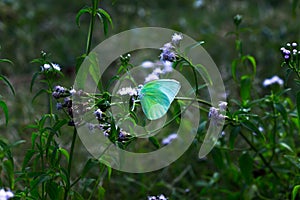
(28, 27)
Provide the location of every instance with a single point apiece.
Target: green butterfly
(156, 97)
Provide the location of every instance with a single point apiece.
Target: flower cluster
(290, 53)
(273, 80)
(50, 67)
(158, 197)
(168, 50)
(128, 91)
(4, 195)
(217, 115)
(167, 67)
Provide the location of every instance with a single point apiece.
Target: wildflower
(151, 77)
(294, 44)
(176, 38)
(147, 64)
(157, 71)
(168, 56)
(168, 53)
(273, 80)
(222, 106)
(169, 139)
(98, 114)
(215, 116)
(47, 67)
(4, 195)
(59, 106)
(127, 90)
(288, 44)
(72, 91)
(167, 67)
(107, 132)
(159, 197)
(58, 91)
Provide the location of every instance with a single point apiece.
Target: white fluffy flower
(53, 66)
(273, 80)
(4, 195)
(147, 64)
(176, 38)
(127, 90)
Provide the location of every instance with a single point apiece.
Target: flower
(47, 67)
(127, 90)
(158, 197)
(72, 91)
(169, 139)
(58, 91)
(222, 106)
(59, 106)
(215, 116)
(176, 38)
(98, 113)
(168, 53)
(167, 67)
(294, 44)
(151, 77)
(147, 64)
(4, 195)
(273, 80)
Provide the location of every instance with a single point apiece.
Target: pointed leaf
(5, 110)
(295, 191)
(154, 141)
(82, 11)
(6, 81)
(6, 60)
(245, 88)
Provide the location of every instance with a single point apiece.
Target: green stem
(260, 155)
(91, 27)
(68, 187)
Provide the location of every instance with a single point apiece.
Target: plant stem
(260, 155)
(91, 27)
(68, 187)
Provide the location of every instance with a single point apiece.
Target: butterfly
(156, 97)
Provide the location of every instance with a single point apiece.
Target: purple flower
(59, 106)
(215, 116)
(151, 77)
(169, 139)
(98, 114)
(4, 195)
(127, 91)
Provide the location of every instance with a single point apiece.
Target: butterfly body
(156, 97)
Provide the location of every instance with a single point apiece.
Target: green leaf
(233, 135)
(105, 19)
(6, 81)
(251, 59)
(286, 146)
(250, 126)
(246, 166)
(9, 169)
(295, 191)
(298, 106)
(28, 156)
(52, 190)
(5, 110)
(204, 73)
(35, 75)
(281, 110)
(6, 61)
(101, 193)
(41, 91)
(88, 166)
(190, 47)
(294, 160)
(245, 88)
(82, 11)
(294, 6)
(233, 68)
(65, 153)
(218, 158)
(154, 141)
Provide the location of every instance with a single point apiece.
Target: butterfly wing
(157, 96)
